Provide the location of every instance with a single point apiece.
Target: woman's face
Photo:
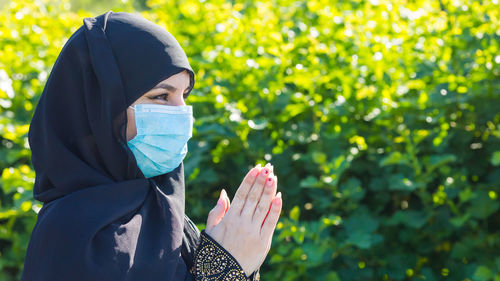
(171, 91)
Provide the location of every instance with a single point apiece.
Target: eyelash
(166, 96)
(161, 97)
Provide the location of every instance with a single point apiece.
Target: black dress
(101, 218)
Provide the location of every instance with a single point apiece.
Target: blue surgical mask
(162, 135)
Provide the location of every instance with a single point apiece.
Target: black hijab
(101, 219)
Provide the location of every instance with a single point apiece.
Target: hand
(245, 228)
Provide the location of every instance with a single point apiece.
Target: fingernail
(258, 166)
(269, 181)
(220, 202)
(223, 193)
(278, 195)
(266, 171)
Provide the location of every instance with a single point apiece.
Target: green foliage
(381, 119)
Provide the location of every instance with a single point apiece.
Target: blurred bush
(381, 119)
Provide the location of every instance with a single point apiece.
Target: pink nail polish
(269, 181)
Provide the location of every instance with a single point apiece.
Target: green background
(381, 119)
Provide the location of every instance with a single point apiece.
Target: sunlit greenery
(380, 117)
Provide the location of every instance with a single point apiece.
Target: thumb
(216, 214)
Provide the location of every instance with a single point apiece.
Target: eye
(161, 97)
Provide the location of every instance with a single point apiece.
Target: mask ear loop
(132, 107)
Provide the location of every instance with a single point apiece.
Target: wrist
(213, 262)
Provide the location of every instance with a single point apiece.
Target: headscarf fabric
(101, 218)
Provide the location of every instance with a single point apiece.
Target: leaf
(8, 214)
(295, 213)
(482, 206)
(26, 206)
(495, 159)
(436, 161)
(411, 218)
(332, 276)
(466, 195)
(352, 189)
(363, 223)
(460, 221)
(395, 158)
(293, 110)
(482, 273)
(363, 240)
(319, 157)
(400, 182)
(310, 182)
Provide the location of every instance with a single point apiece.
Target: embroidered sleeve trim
(212, 262)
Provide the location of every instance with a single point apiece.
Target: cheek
(131, 129)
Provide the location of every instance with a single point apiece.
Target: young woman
(108, 138)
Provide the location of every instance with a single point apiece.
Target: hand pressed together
(245, 228)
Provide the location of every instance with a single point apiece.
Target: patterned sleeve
(213, 262)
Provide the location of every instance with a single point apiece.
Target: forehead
(175, 83)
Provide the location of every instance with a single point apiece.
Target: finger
(276, 178)
(274, 214)
(267, 213)
(265, 200)
(241, 193)
(215, 215)
(255, 193)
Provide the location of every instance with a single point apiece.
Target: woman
(108, 137)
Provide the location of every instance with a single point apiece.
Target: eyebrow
(167, 87)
